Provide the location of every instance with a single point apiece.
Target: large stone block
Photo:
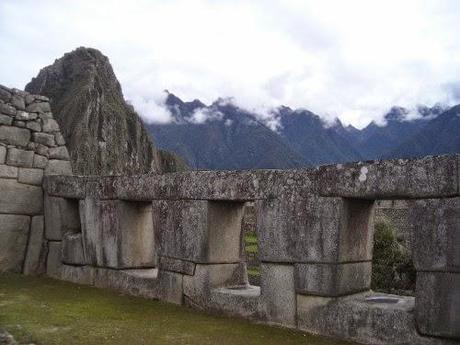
(198, 230)
(436, 234)
(39, 107)
(176, 265)
(84, 275)
(198, 288)
(438, 304)
(31, 176)
(72, 249)
(333, 279)
(37, 248)
(58, 167)
(2, 154)
(20, 158)
(118, 234)
(66, 186)
(428, 177)
(18, 198)
(278, 293)
(54, 260)
(6, 120)
(358, 318)
(147, 283)
(14, 232)
(44, 139)
(314, 229)
(14, 136)
(61, 216)
(7, 171)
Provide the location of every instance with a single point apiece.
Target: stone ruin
(176, 237)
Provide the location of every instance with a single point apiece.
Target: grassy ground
(49, 312)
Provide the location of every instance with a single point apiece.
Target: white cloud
(352, 59)
(202, 115)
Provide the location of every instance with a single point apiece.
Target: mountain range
(225, 136)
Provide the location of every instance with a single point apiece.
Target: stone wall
(31, 147)
(177, 237)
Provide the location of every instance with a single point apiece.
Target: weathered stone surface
(7, 171)
(357, 319)
(50, 125)
(31, 176)
(20, 158)
(14, 232)
(66, 186)
(37, 248)
(34, 126)
(314, 229)
(40, 161)
(78, 274)
(21, 124)
(58, 167)
(53, 262)
(118, 234)
(18, 102)
(25, 116)
(14, 135)
(148, 283)
(39, 107)
(181, 227)
(18, 198)
(176, 265)
(44, 139)
(200, 231)
(5, 95)
(438, 304)
(41, 150)
(333, 280)
(59, 138)
(59, 153)
(61, 216)
(2, 154)
(278, 293)
(72, 249)
(432, 176)
(436, 234)
(197, 288)
(6, 120)
(7, 109)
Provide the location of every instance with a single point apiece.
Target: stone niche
(199, 230)
(118, 234)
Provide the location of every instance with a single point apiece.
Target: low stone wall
(31, 146)
(315, 235)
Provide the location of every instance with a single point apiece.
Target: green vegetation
(251, 249)
(51, 312)
(392, 267)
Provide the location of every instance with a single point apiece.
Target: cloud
(202, 115)
(351, 59)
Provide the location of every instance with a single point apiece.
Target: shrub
(392, 267)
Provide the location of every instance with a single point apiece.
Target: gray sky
(352, 59)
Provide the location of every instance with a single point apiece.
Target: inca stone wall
(31, 147)
(177, 237)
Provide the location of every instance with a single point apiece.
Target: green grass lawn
(47, 311)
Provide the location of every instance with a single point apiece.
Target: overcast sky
(352, 59)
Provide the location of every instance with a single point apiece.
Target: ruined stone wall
(31, 147)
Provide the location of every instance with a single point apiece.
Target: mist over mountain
(224, 136)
